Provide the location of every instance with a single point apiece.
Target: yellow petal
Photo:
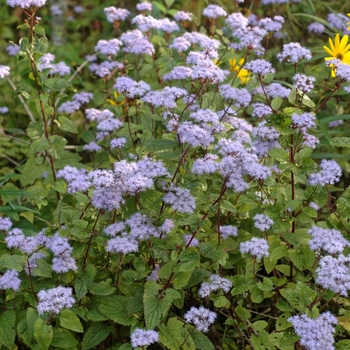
(343, 42)
(329, 51)
(337, 41)
(331, 45)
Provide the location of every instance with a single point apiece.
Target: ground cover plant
(174, 179)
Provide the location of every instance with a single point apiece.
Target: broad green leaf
(189, 259)
(303, 153)
(12, 262)
(43, 269)
(103, 288)
(95, 335)
(279, 154)
(282, 323)
(260, 325)
(69, 320)
(171, 335)
(43, 334)
(201, 341)
(56, 84)
(31, 317)
(38, 29)
(7, 332)
(115, 308)
(57, 144)
(152, 305)
(66, 124)
(243, 313)
(276, 103)
(39, 145)
(63, 339)
(80, 287)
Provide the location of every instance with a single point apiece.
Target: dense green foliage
(153, 285)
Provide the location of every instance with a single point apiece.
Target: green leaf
(279, 154)
(12, 262)
(334, 118)
(95, 335)
(39, 30)
(43, 269)
(171, 335)
(7, 332)
(282, 323)
(340, 142)
(276, 103)
(103, 288)
(307, 101)
(63, 339)
(57, 144)
(303, 153)
(80, 287)
(69, 320)
(201, 341)
(260, 325)
(43, 334)
(169, 3)
(31, 317)
(66, 124)
(243, 313)
(189, 259)
(115, 308)
(56, 84)
(39, 145)
(152, 305)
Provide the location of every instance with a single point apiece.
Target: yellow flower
(340, 50)
(242, 73)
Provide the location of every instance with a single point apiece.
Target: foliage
(182, 210)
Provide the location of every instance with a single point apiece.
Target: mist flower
(201, 317)
(257, 247)
(316, 333)
(142, 338)
(10, 280)
(26, 3)
(4, 71)
(55, 300)
(330, 173)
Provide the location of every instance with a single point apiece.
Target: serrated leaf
(279, 154)
(56, 84)
(340, 142)
(69, 320)
(43, 269)
(7, 332)
(39, 30)
(80, 287)
(171, 335)
(12, 262)
(103, 288)
(189, 259)
(201, 341)
(31, 317)
(95, 335)
(115, 308)
(63, 339)
(43, 334)
(66, 124)
(276, 103)
(303, 153)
